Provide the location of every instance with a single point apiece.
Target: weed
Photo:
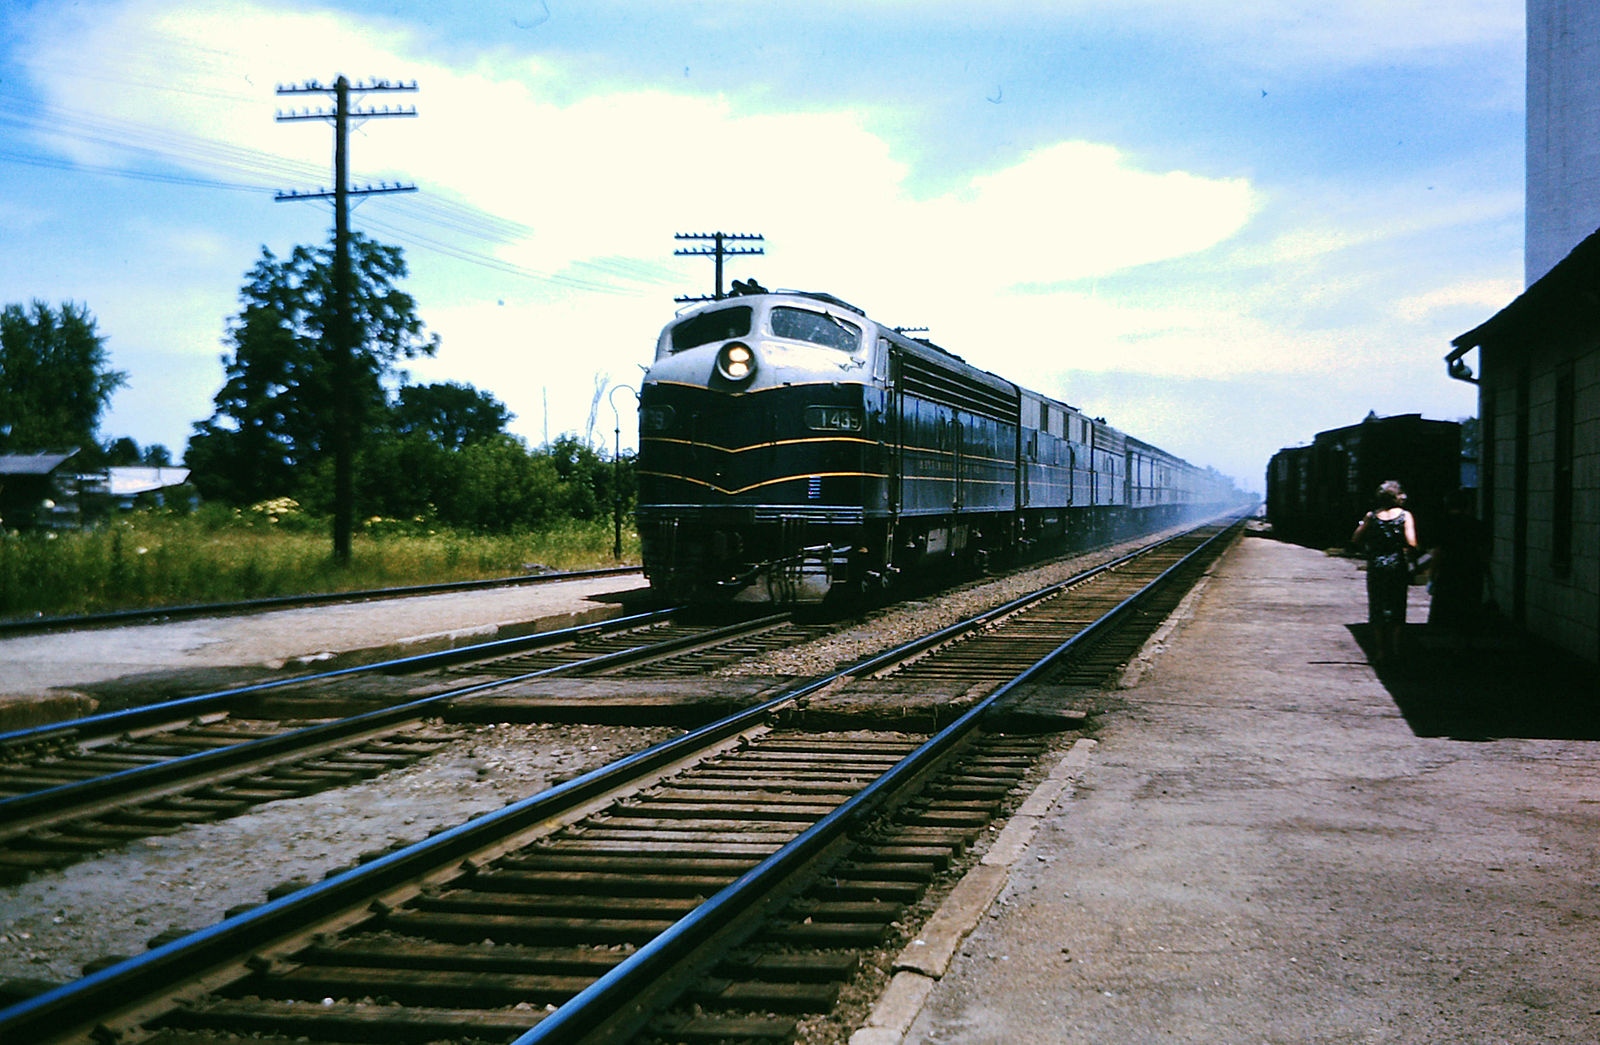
(150, 559)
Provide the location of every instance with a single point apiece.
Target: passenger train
(793, 450)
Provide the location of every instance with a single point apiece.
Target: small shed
(37, 489)
(1539, 474)
(126, 485)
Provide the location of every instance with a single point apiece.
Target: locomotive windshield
(717, 325)
(819, 328)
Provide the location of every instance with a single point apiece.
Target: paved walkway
(1271, 842)
(39, 673)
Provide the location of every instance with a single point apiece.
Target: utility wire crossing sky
(1223, 228)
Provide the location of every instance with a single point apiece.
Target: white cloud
(611, 175)
(604, 176)
(1043, 334)
(604, 173)
(1487, 296)
(191, 247)
(1078, 209)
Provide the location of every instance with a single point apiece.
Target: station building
(1538, 359)
(1539, 470)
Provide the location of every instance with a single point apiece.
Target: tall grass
(151, 559)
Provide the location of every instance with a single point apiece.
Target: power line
(51, 122)
(155, 145)
(10, 156)
(497, 264)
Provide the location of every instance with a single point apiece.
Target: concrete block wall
(1562, 601)
(1584, 578)
(1499, 460)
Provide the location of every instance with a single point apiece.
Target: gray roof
(1559, 302)
(127, 480)
(42, 463)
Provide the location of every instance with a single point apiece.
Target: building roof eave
(41, 462)
(1546, 306)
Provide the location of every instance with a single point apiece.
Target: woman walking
(1389, 533)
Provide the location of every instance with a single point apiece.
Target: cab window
(819, 328)
(716, 325)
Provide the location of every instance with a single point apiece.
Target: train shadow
(1487, 686)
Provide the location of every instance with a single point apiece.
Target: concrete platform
(61, 674)
(1270, 841)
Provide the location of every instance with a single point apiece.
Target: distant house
(1539, 474)
(43, 491)
(38, 490)
(130, 485)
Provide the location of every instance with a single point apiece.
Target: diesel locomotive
(791, 450)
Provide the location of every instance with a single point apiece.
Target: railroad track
(1035, 629)
(720, 886)
(75, 789)
(27, 625)
(685, 651)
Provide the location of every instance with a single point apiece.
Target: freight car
(1316, 494)
(793, 449)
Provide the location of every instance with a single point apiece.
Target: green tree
(407, 476)
(585, 478)
(494, 485)
(55, 381)
(122, 451)
(273, 417)
(125, 450)
(450, 414)
(503, 487)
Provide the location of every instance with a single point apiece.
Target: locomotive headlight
(736, 362)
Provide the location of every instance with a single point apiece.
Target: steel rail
(83, 1003)
(141, 783)
(611, 999)
(112, 722)
(274, 602)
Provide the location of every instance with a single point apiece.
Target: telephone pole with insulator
(344, 336)
(718, 250)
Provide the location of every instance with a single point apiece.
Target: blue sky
(1221, 229)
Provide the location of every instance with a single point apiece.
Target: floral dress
(1388, 573)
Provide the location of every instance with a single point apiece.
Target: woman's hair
(1390, 495)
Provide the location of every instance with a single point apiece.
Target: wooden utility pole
(345, 337)
(717, 250)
